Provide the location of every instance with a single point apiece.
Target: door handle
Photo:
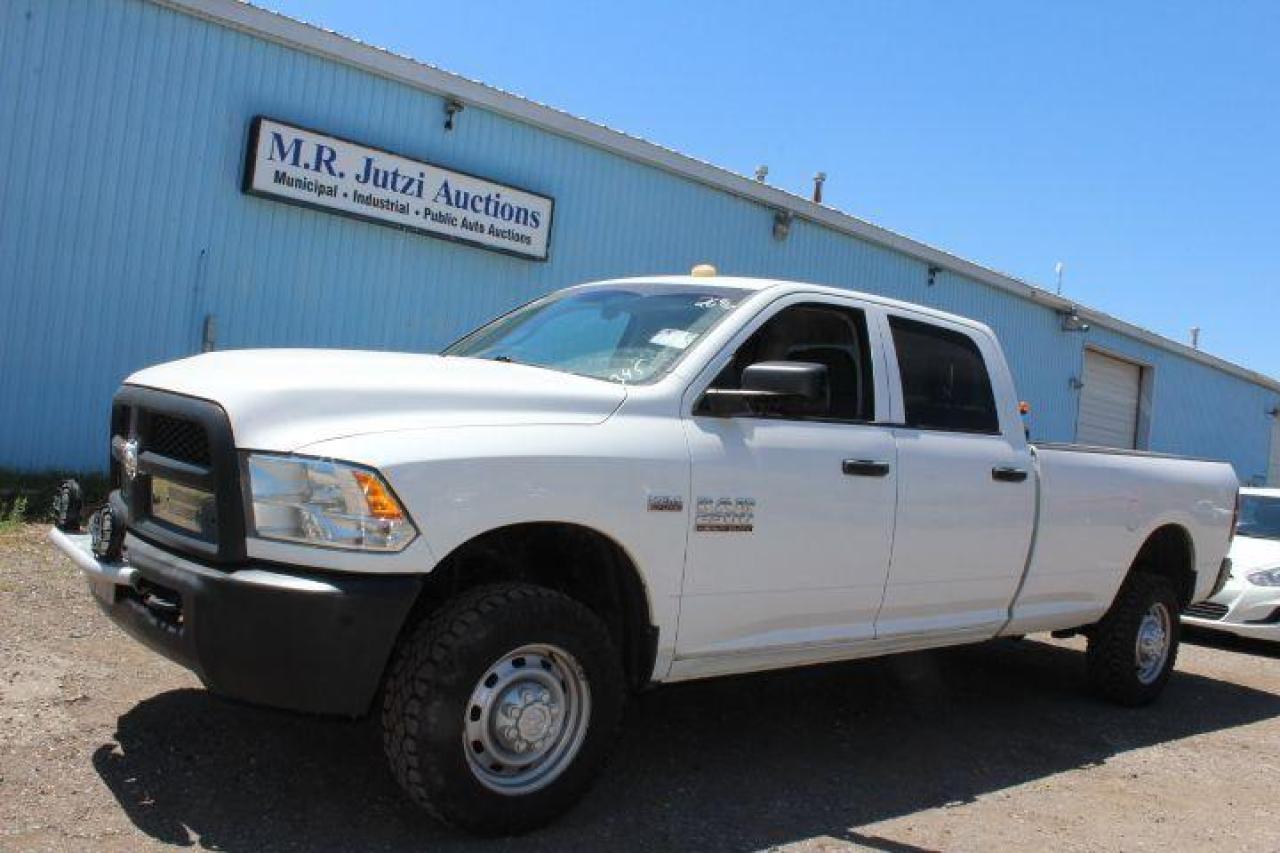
(864, 468)
(1007, 474)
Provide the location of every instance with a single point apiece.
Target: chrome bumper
(77, 547)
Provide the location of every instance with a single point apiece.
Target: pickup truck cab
(622, 483)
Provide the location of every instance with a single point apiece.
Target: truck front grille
(178, 447)
(1207, 610)
(178, 438)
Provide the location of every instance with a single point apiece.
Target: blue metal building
(126, 238)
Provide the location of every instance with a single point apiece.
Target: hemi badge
(666, 503)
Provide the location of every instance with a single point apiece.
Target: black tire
(68, 501)
(430, 688)
(106, 535)
(1114, 672)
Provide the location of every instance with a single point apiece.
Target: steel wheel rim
(1151, 650)
(526, 719)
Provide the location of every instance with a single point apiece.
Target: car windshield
(1259, 517)
(630, 334)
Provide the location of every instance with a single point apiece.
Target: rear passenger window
(945, 384)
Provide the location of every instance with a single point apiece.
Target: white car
(1249, 604)
(623, 483)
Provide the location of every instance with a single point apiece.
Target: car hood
(1249, 553)
(285, 399)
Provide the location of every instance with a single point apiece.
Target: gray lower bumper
(298, 639)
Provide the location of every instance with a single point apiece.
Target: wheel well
(577, 561)
(1169, 553)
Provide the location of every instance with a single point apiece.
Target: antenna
(1057, 270)
(1195, 337)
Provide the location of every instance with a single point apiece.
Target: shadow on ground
(1231, 642)
(721, 765)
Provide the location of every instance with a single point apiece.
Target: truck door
(966, 489)
(792, 515)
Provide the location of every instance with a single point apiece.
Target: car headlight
(1268, 577)
(323, 502)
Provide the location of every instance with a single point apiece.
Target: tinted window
(945, 384)
(819, 334)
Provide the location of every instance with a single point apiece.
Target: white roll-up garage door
(1109, 401)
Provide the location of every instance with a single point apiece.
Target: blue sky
(1137, 142)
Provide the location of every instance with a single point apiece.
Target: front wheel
(1133, 649)
(501, 707)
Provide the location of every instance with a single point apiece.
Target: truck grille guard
(187, 441)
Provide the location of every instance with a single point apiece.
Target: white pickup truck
(622, 483)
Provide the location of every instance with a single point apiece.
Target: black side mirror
(768, 385)
(799, 379)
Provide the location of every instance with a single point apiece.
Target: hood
(284, 399)
(1250, 554)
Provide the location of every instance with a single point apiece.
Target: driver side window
(830, 335)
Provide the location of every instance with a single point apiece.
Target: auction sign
(301, 166)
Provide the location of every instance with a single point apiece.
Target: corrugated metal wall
(123, 128)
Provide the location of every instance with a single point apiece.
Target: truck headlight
(1268, 577)
(323, 502)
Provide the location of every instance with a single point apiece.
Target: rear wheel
(1133, 649)
(501, 707)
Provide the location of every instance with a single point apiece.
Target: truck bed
(1096, 508)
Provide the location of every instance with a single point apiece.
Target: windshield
(630, 334)
(1259, 517)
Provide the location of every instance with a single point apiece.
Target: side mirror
(799, 379)
(767, 384)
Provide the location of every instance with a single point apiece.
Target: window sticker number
(628, 374)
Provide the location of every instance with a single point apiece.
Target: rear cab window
(945, 381)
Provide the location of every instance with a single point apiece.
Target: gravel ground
(104, 745)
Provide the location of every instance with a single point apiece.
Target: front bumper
(1240, 608)
(262, 633)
